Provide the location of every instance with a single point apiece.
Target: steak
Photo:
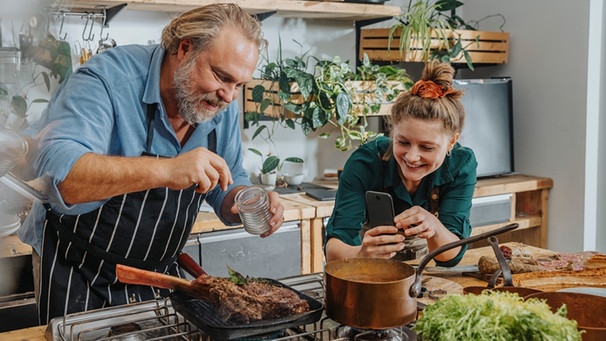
(256, 300)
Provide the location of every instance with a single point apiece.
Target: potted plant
(51, 58)
(294, 93)
(426, 30)
(271, 164)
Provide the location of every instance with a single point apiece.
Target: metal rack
(102, 15)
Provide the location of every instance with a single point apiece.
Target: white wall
(598, 69)
(549, 65)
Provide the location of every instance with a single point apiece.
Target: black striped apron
(143, 229)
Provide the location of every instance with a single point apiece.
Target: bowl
(294, 179)
(587, 310)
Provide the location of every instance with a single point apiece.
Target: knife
(454, 269)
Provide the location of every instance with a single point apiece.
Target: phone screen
(379, 207)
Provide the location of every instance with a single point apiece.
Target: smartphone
(379, 207)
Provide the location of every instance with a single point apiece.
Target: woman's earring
(448, 152)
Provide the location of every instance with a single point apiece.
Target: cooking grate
(156, 320)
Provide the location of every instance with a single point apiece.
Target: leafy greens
(496, 316)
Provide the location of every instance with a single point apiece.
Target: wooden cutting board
(432, 283)
(593, 274)
(557, 280)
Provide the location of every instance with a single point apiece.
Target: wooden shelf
(283, 8)
(483, 47)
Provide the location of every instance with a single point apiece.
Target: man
(135, 140)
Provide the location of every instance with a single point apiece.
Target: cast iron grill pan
(204, 316)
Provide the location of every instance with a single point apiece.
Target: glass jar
(253, 207)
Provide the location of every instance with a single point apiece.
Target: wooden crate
(491, 48)
(271, 91)
(277, 110)
(363, 92)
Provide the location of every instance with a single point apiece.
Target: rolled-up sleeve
(79, 126)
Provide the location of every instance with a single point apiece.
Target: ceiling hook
(91, 35)
(102, 27)
(85, 26)
(61, 27)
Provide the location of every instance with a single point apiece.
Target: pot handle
(415, 288)
(503, 266)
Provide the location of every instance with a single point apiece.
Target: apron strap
(212, 141)
(151, 113)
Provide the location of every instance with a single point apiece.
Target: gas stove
(158, 320)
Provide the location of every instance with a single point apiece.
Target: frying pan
(507, 278)
(372, 293)
(191, 300)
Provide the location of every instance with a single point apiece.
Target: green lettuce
(495, 316)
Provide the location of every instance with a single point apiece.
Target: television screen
(488, 128)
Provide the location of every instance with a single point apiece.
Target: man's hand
(275, 208)
(199, 166)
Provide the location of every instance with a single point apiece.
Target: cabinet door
(277, 256)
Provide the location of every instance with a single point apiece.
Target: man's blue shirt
(102, 109)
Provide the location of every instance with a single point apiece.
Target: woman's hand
(418, 221)
(381, 242)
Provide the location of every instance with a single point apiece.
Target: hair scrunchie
(429, 89)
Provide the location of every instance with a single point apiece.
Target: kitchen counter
(12, 246)
(471, 257)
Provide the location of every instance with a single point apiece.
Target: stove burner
(394, 334)
(266, 336)
(125, 332)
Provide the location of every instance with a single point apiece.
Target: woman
(421, 160)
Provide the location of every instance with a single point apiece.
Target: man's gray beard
(188, 101)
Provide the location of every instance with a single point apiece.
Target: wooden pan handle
(130, 275)
(189, 264)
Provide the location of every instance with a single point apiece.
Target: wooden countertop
(208, 221)
(12, 246)
(471, 257)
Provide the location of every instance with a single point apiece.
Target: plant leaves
(256, 151)
(342, 107)
(265, 103)
(294, 159)
(290, 123)
(3, 90)
(257, 93)
(236, 277)
(259, 131)
(270, 164)
(19, 105)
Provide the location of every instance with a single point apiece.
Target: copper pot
(373, 293)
